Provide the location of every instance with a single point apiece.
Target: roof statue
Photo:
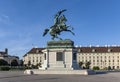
(59, 26)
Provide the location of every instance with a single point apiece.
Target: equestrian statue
(59, 26)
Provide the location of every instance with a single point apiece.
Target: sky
(22, 23)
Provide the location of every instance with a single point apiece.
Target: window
(79, 50)
(97, 60)
(97, 57)
(29, 58)
(105, 57)
(109, 50)
(36, 60)
(117, 60)
(117, 56)
(117, 67)
(93, 50)
(113, 67)
(37, 51)
(90, 57)
(83, 58)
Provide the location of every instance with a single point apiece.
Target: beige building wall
(101, 59)
(33, 58)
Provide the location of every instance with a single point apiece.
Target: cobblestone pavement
(18, 76)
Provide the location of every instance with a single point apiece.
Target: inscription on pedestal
(59, 56)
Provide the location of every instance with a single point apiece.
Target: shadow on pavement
(101, 72)
(12, 76)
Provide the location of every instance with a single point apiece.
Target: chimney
(6, 51)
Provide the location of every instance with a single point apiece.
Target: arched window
(14, 63)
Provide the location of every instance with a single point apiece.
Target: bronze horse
(59, 26)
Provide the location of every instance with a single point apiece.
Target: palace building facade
(34, 56)
(103, 57)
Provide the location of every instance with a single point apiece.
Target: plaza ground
(19, 76)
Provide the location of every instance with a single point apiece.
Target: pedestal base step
(78, 72)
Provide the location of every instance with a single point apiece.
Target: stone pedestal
(61, 55)
(60, 58)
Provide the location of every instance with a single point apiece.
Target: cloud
(4, 19)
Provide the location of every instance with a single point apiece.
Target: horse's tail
(45, 32)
